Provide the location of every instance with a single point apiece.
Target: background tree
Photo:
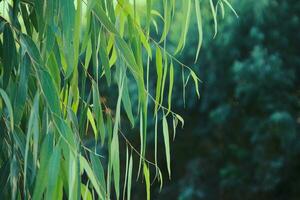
(241, 140)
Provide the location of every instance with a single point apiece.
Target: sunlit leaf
(167, 143)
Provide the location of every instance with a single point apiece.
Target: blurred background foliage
(241, 139)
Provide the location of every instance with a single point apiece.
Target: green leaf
(67, 16)
(92, 122)
(199, 25)
(171, 82)
(14, 171)
(159, 71)
(98, 112)
(213, 11)
(127, 55)
(45, 79)
(28, 44)
(110, 10)
(53, 68)
(148, 18)
(86, 193)
(9, 108)
(167, 143)
(33, 128)
(127, 103)
(129, 179)
(49, 91)
(42, 175)
(77, 31)
(167, 19)
(147, 180)
(91, 175)
(65, 132)
(231, 8)
(104, 57)
(165, 72)
(98, 171)
(102, 17)
(53, 173)
(186, 9)
(155, 141)
(9, 52)
(114, 147)
(126, 173)
(180, 119)
(88, 55)
(196, 80)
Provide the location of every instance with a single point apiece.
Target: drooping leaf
(53, 173)
(9, 52)
(32, 129)
(91, 175)
(186, 9)
(213, 11)
(171, 82)
(199, 25)
(167, 143)
(147, 180)
(98, 112)
(9, 108)
(159, 71)
(129, 179)
(42, 175)
(196, 81)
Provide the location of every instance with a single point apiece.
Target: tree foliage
(55, 55)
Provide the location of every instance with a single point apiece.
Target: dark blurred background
(241, 140)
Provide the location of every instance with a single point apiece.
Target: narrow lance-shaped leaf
(9, 108)
(104, 57)
(148, 19)
(171, 82)
(147, 180)
(98, 112)
(126, 173)
(67, 14)
(46, 82)
(165, 72)
(92, 122)
(14, 170)
(128, 56)
(159, 77)
(29, 45)
(114, 148)
(86, 193)
(127, 103)
(167, 143)
(142, 144)
(129, 179)
(98, 171)
(213, 11)
(9, 52)
(91, 175)
(186, 9)
(167, 18)
(199, 25)
(53, 173)
(33, 128)
(231, 8)
(42, 176)
(155, 142)
(196, 80)
(102, 17)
